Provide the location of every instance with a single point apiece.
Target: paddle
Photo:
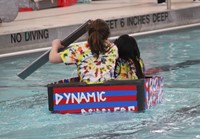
(45, 57)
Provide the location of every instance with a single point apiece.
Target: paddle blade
(40, 61)
(45, 57)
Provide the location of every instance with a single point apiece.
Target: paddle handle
(44, 58)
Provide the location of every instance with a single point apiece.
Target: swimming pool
(24, 105)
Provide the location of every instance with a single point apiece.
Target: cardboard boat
(73, 97)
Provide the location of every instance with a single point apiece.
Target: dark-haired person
(129, 65)
(95, 59)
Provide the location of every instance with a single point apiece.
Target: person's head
(98, 33)
(127, 47)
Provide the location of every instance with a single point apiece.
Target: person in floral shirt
(129, 65)
(95, 59)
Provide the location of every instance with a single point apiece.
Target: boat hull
(69, 96)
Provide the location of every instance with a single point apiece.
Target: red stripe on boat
(93, 88)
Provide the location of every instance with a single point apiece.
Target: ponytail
(138, 67)
(96, 43)
(136, 58)
(98, 32)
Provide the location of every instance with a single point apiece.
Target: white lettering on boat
(80, 97)
(101, 110)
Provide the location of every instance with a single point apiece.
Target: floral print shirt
(90, 68)
(125, 70)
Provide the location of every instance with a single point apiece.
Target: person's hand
(54, 55)
(57, 44)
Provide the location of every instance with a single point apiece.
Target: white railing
(168, 4)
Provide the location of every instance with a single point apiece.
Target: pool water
(24, 106)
